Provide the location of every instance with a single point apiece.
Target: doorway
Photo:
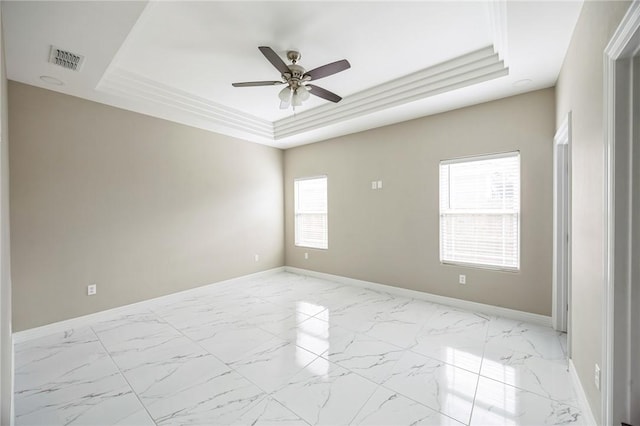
(621, 329)
(561, 226)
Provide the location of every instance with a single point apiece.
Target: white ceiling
(177, 59)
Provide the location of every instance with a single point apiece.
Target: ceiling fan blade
(329, 69)
(257, 83)
(323, 93)
(275, 60)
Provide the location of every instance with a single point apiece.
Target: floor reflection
(312, 333)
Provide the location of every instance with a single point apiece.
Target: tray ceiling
(177, 60)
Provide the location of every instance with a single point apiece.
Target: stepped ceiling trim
(462, 71)
(123, 83)
(465, 70)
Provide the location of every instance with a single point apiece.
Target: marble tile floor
(294, 350)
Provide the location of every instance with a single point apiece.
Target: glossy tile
(317, 336)
(523, 337)
(500, 404)
(400, 333)
(462, 350)
(325, 393)
(288, 349)
(68, 378)
(284, 323)
(200, 322)
(139, 418)
(441, 387)
(386, 407)
(455, 337)
(364, 355)
(144, 340)
(212, 399)
(74, 393)
(230, 343)
(350, 319)
(156, 381)
(453, 322)
(271, 364)
(548, 378)
(58, 357)
(101, 401)
(270, 412)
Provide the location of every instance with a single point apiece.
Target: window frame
(481, 157)
(296, 213)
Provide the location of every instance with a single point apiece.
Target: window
(310, 199)
(480, 211)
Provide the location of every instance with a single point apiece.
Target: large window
(310, 199)
(480, 211)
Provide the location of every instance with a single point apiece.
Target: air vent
(66, 59)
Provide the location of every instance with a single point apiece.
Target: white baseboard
(12, 412)
(7, 417)
(449, 301)
(61, 326)
(582, 396)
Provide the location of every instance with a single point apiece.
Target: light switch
(379, 184)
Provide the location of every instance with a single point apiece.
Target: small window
(310, 199)
(480, 211)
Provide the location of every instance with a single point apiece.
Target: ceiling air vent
(66, 59)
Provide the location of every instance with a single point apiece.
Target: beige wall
(140, 206)
(390, 236)
(579, 90)
(6, 346)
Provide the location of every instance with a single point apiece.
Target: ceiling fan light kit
(296, 78)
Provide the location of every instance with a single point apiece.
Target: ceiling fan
(297, 78)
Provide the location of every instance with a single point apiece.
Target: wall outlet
(462, 279)
(379, 184)
(596, 376)
(91, 289)
(306, 255)
(256, 257)
(374, 184)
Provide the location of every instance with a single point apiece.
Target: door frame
(562, 227)
(618, 220)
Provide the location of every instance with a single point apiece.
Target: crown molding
(465, 70)
(462, 71)
(497, 11)
(120, 82)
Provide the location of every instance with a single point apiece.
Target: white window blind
(480, 211)
(310, 199)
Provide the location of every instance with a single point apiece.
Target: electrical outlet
(596, 376)
(374, 184)
(379, 184)
(462, 279)
(256, 257)
(91, 289)
(306, 255)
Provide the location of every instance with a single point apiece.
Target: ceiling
(177, 59)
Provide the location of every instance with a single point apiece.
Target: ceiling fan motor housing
(296, 78)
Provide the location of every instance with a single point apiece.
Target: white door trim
(617, 221)
(561, 225)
